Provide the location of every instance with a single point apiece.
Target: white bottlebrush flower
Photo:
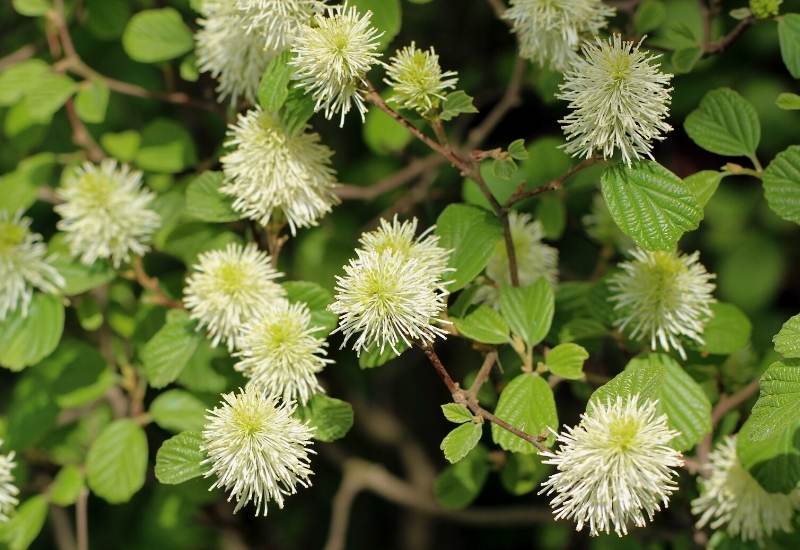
(614, 468)
(280, 354)
(388, 298)
(417, 79)
(662, 297)
(106, 213)
(618, 99)
(270, 170)
(401, 237)
(257, 449)
(24, 265)
(8, 491)
(276, 22)
(550, 32)
(332, 57)
(733, 500)
(534, 258)
(228, 288)
(233, 56)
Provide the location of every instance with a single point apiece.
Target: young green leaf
(274, 87)
(25, 341)
(178, 411)
(727, 331)
(703, 184)
(461, 441)
(66, 486)
(483, 325)
(789, 39)
(529, 310)
(331, 418)
(157, 35)
(566, 361)
(166, 354)
(456, 413)
(117, 461)
(180, 458)
(92, 101)
(517, 149)
(788, 102)
(456, 103)
(205, 202)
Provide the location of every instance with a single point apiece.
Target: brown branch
(720, 45)
(25, 52)
(498, 7)
(80, 134)
(151, 283)
(360, 475)
(470, 401)
(414, 169)
(725, 404)
(82, 519)
(483, 373)
(521, 194)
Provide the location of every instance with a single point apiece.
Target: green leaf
(650, 204)
(456, 413)
(457, 103)
(166, 354)
(67, 486)
(25, 341)
(205, 202)
(459, 484)
(767, 444)
(158, 35)
(383, 134)
(92, 101)
(789, 38)
(483, 325)
(117, 461)
(122, 145)
(782, 184)
(180, 458)
(727, 331)
(703, 184)
(78, 277)
(274, 87)
(18, 80)
(527, 404)
(32, 8)
(373, 356)
(386, 17)
(649, 16)
(552, 214)
(297, 109)
(178, 411)
(331, 418)
(21, 187)
(517, 149)
(566, 360)
(787, 341)
(725, 123)
(657, 377)
(51, 92)
(32, 412)
(684, 59)
(460, 441)
(80, 374)
(166, 146)
(470, 233)
(504, 169)
(529, 310)
(25, 525)
(521, 474)
(788, 102)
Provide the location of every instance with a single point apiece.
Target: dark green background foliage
(52, 412)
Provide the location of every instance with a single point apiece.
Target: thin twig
(82, 519)
(483, 373)
(521, 194)
(151, 283)
(414, 169)
(470, 401)
(725, 404)
(723, 43)
(80, 134)
(25, 52)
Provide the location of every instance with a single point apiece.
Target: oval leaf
(117, 461)
(787, 341)
(25, 341)
(527, 404)
(180, 458)
(566, 361)
(483, 325)
(725, 123)
(782, 184)
(461, 441)
(529, 310)
(157, 35)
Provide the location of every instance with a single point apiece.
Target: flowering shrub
(498, 263)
